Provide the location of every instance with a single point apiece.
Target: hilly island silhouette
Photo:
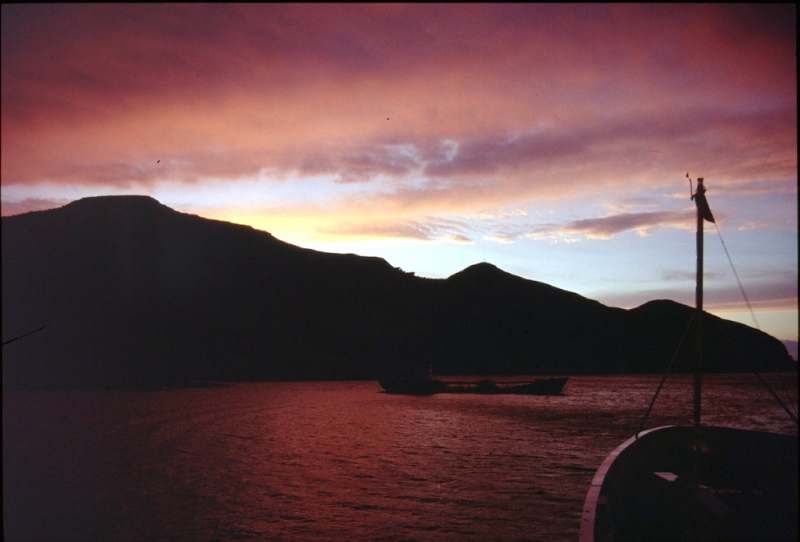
(133, 294)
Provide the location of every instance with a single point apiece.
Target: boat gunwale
(626, 452)
(589, 513)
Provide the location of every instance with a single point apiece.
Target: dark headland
(133, 294)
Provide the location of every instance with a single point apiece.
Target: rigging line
(752, 314)
(664, 378)
(23, 335)
(741, 288)
(741, 355)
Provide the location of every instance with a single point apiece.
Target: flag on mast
(701, 202)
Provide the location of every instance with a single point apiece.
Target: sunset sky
(550, 140)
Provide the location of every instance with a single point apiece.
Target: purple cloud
(609, 226)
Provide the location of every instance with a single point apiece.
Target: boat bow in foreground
(696, 482)
(675, 483)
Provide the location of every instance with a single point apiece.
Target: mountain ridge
(134, 294)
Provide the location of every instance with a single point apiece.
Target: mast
(698, 303)
(703, 213)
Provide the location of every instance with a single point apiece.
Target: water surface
(334, 460)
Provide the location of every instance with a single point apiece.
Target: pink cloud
(492, 101)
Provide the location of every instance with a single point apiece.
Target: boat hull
(673, 483)
(408, 386)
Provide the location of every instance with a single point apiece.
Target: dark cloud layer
(225, 91)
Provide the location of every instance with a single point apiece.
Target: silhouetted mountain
(133, 293)
(791, 347)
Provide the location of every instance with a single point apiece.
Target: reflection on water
(340, 460)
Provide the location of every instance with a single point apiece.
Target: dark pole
(698, 300)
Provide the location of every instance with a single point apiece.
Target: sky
(550, 140)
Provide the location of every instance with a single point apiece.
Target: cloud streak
(431, 229)
(609, 226)
(599, 228)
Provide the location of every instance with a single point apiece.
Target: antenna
(691, 190)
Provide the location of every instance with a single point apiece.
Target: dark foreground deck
(675, 483)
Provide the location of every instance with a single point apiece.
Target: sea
(308, 461)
